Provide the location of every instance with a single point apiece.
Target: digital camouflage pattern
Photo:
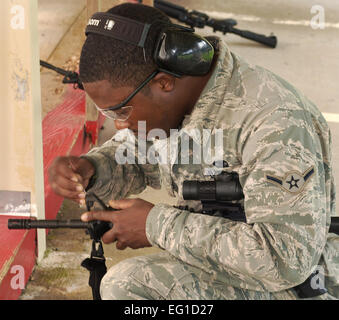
(280, 145)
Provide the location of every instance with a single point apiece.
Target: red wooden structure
(65, 132)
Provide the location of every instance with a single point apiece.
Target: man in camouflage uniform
(280, 145)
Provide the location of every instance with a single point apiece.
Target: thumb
(122, 204)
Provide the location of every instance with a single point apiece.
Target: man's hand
(129, 223)
(69, 177)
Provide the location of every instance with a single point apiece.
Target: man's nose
(119, 125)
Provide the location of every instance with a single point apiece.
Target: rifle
(69, 76)
(96, 229)
(200, 20)
(216, 197)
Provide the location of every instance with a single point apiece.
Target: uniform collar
(207, 107)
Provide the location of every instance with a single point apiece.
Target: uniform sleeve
(286, 207)
(121, 170)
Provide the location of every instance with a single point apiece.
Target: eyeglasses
(122, 111)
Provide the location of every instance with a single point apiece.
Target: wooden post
(21, 161)
(92, 7)
(148, 2)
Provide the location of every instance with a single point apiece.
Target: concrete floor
(305, 57)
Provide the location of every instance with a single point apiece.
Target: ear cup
(184, 53)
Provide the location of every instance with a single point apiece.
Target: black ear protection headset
(178, 50)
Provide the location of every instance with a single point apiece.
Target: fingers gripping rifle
(200, 20)
(96, 229)
(216, 198)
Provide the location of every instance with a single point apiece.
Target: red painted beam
(65, 132)
(61, 129)
(17, 259)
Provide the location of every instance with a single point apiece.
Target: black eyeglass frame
(142, 85)
(131, 96)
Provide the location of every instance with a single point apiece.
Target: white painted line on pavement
(228, 15)
(331, 117)
(305, 23)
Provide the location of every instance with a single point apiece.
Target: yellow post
(148, 2)
(21, 161)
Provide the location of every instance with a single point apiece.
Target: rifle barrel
(158, 3)
(46, 224)
(270, 41)
(172, 10)
(56, 69)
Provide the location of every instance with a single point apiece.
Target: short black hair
(122, 64)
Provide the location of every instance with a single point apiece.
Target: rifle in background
(200, 20)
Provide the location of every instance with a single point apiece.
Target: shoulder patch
(293, 181)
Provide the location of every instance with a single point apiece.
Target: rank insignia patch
(293, 181)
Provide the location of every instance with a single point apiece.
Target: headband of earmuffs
(178, 51)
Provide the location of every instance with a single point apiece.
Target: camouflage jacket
(280, 145)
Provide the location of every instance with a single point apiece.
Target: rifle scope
(225, 187)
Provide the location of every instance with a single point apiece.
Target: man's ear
(164, 82)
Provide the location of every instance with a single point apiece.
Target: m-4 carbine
(96, 229)
(196, 19)
(217, 199)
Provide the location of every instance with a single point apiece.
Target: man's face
(156, 109)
